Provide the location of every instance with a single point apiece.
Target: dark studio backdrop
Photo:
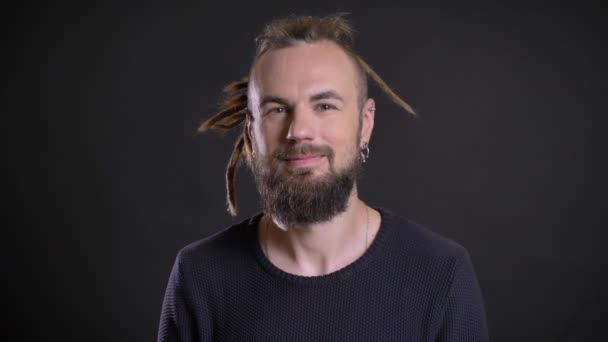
(111, 179)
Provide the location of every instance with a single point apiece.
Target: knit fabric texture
(411, 284)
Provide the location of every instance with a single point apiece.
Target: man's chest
(344, 312)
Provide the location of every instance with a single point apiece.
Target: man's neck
(320, 248)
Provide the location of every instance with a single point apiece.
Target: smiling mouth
(303, 160)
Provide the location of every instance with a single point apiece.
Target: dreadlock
(279, 34)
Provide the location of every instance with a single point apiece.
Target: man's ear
(248, 127)
(367, 120)
(249, 140)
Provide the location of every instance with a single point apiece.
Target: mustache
(303, 149)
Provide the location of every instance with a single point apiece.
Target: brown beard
(292, 197)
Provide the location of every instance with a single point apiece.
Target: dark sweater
(410, 285)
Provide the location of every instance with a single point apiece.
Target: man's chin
(305, 195)
(298, 172)
(305, 175)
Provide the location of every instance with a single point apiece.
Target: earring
(364, 152)
(372, 109)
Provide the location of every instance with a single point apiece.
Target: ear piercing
(364, 152)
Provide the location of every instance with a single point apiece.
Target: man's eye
(276, 110)
(325, 106)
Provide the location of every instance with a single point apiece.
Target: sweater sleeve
(179, 321)
(463, 317)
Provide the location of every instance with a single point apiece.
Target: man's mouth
(304, 160)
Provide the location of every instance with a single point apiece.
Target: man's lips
(303, 160)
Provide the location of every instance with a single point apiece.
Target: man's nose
(301, 125)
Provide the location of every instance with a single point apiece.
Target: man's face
(306, 130)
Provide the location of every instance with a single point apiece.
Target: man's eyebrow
(273, 99)
(324, 95)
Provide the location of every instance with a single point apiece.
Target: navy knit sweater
(410, 285)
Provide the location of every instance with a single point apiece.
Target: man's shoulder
(222, 246)
(415, 239)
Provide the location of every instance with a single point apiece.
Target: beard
(294, 196)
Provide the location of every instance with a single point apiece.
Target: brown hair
(279, 34)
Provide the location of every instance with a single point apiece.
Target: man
(318, 264)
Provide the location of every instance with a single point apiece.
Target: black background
(110, 179)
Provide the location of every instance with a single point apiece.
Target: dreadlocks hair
(277, 34)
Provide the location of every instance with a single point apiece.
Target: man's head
(306, 115)
(307, 128)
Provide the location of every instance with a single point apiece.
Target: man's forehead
(313, 67)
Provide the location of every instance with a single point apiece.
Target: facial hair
(294, 196)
